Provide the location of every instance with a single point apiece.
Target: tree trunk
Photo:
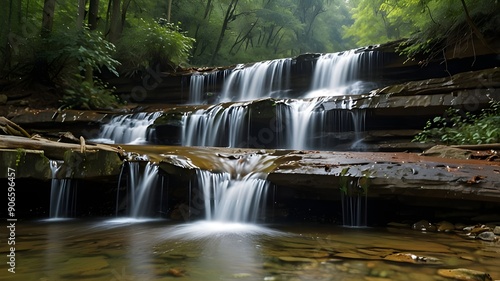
(227, 19)
(474, 27)
(169, 11)
(7, 34)
(115, 23)
(49, 7)
(208, 8)
(93, 14)
(124, 13)
(80, 15)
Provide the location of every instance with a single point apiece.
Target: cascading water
(354, 201)
(334, 74)
(303, 117)
(310, 124)
(216, 126)
(142, 185)
(340, 73)
(263, 79)
(203, 86)
(129, 128)
(359, 117)
(62, 195)
(239, 193)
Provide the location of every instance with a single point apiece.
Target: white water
(62, 194)
(239, 193)
(340, 73)
(203, 86)
(141, 189)
(216, 126)
(128, 129)
(261, 80)
(303, 118)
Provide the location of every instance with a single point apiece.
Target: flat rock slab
(384, 174)
(394, 173)
(388, 173)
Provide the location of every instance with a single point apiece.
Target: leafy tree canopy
(223, 32)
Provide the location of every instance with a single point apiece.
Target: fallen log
(53, 150)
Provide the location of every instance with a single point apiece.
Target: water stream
(216, 126)
(260, 80)
(142, 188)
(62, 194)
(129, 128)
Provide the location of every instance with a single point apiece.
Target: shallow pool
(162, 250)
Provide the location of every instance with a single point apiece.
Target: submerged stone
(411, 258)
(487, 236)
(445, 226)
(497, 230)
(423, 225)
(464, 274)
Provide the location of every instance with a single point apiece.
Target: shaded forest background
(66, 44)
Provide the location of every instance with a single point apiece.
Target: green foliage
(78, 53)
(457, 128)
(429, 24)
(262, 30)
(81, 48)
(446, 27)
(144, 44)
(89, 95)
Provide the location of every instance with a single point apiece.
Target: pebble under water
(163, 250)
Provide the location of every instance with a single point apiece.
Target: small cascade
(142, 185)
(354, 199)
(62, 195)
(303, 118)
(239, 193)
(341, 73)
(128, 129)
(358, 117)
(262, 79)
(308, 123)
(202, 86)
(216, 126)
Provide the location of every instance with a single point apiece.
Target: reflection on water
(161, 250)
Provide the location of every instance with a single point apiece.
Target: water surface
(162, 250)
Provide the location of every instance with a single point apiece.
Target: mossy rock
(90, 164)
(26, 163)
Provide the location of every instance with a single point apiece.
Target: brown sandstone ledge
(388, 174)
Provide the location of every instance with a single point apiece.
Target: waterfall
(354, 197)
(358, 117)
(216, 126)
(304, 119)
(142, 183)
(239, 193)
(262, 79)
(128, 129)
(341, 73)
(62, 195)
(203, 86)
(309, 123)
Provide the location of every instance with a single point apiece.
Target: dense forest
(67, 43)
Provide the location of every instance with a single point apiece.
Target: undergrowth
(457, 127)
